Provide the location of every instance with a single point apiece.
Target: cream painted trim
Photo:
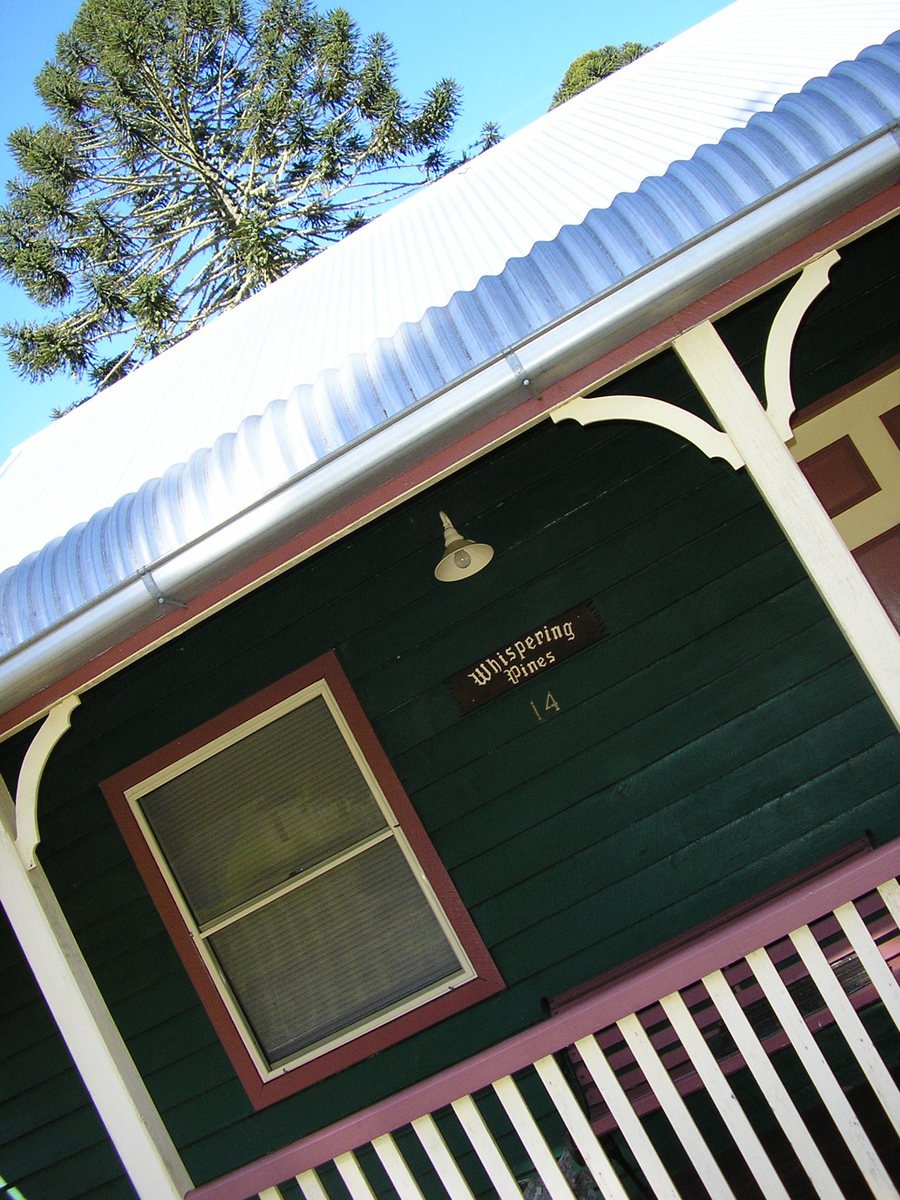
(57, 721)
(285, 888)
(807, 526)
(811, 282)
(115, 1086)
(859, 418)
(589, 409)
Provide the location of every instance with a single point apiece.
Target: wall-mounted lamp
(462, 557)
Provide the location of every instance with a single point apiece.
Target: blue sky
(508, 55)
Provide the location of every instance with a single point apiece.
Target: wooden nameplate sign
(524, 657)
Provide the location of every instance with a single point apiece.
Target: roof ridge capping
(296, 436)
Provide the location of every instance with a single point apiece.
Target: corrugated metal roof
(681, 140)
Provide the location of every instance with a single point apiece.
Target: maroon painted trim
(891, 421)
(879, 561)
(641, 346)
(488, 980)
(629, 993)
(839, 475)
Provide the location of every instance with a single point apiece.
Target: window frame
(266, 1084)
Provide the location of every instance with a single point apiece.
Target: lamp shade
(462, 557)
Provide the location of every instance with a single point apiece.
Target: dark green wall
(720, 738)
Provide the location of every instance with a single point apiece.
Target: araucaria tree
(595, 65)
(197, 150)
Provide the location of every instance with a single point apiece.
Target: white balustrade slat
(674, 1108)
(890, 894)
(774, 1091)
(395, 1165)
(627, 1120)
(871, 958)
(723, 1097)
(671, 1102)
(352, 1175)
(848, 1022)
(311, 1186)
(441, 1159)
(579, 1129)
(532, 1139)
(486, 1148)
(822, 1076)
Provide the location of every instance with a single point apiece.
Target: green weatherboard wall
(718, 739)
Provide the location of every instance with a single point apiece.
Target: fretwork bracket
(57, 721)
(780, 407)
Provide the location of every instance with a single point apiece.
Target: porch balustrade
(753, 1060)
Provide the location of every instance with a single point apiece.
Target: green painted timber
(718, 739)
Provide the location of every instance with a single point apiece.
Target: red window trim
(488, 980)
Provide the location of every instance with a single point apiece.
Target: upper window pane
(266, 808)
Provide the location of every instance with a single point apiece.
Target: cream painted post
(807, 526)
(131, 1119)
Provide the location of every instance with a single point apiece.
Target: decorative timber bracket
(587, 410)
(57, 721)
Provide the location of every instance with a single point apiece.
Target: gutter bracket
(521, 375)
(152, 587)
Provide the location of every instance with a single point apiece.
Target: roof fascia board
(644, 314)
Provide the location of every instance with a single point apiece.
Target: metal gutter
(633, 306)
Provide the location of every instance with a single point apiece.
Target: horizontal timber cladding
(717, 739)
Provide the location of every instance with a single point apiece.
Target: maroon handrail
(630, 991)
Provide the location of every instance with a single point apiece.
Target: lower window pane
(345, 948)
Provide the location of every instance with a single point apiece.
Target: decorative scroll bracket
(813, 280)
(588, 409)
(57, 721)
